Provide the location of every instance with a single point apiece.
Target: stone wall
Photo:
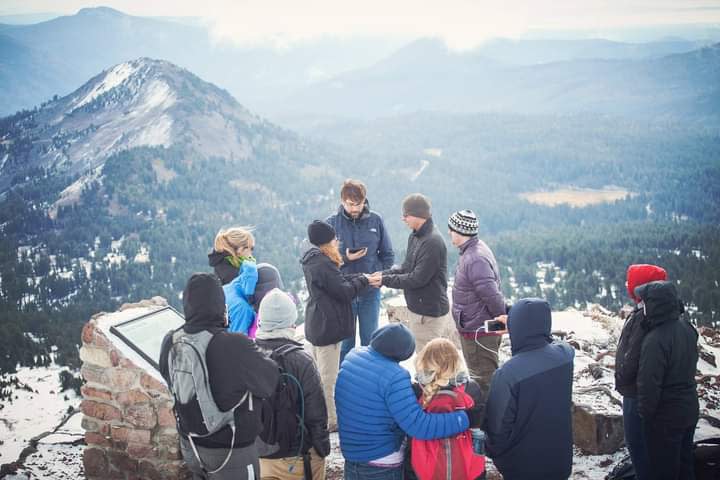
(128, 419)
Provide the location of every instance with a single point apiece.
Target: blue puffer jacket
(237, 298)
(528, 419)
(367, 231)
(376, 406)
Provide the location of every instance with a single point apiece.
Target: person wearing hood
(365, 247)
(328, 314)
(528, 417)
(667, 398)
(233, 262)
(204, 308)
(377, 407)
(423, 275)
(276, 331)
(627, 361)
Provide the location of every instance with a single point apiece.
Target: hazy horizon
(462, 24)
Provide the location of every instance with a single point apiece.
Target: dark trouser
(243, 463)
(634, 439)
(670, 451)
(365, 471)
(481, 359)
(366, 309)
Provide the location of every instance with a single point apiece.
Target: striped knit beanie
(464, 222)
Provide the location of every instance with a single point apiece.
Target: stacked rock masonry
(128, 418)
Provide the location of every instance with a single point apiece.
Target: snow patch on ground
(156, 133)
(31, 413)
(157, 94)
(114, 77)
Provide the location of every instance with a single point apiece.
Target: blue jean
(364, 471)
(366, 309)
(634, 438)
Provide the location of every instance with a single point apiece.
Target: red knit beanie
(641, 274)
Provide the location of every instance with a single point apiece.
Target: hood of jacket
(641, 274)
(225, 272)
(529, 325)
(203, 304)
(661, 303)
(310, 254)
(394, 341)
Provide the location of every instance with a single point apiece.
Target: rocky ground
(592, 333)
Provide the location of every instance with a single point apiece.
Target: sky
(461, 23)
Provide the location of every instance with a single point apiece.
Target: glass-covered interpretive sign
(145, 333)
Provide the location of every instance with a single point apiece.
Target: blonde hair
(332, 252)
(440, 362)
(233, 239)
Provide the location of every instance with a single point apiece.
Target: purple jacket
(476, 292)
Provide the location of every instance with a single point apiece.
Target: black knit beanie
(320, 233)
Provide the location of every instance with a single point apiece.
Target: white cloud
(462, 23)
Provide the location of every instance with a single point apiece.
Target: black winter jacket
(423, 274)
(627, 357)
(301, 365)
(328, 314)
(667, 392)
(235, 365)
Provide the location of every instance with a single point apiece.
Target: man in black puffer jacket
(666, 388)
(276, 331)
(235, 366)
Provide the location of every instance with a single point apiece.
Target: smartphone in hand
(356, 250)
(494, 326)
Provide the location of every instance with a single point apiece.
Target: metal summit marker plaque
(144, 334)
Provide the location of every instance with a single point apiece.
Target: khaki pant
(328, 362)
(425, 328)
(482, 359)
(291, 467)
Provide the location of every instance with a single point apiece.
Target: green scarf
(237, 261)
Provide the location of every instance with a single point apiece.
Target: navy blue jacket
(375, 402)
(366, 231)
(528, 419)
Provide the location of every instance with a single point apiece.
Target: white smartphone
(494, 325)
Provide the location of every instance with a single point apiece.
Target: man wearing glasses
(365, 247)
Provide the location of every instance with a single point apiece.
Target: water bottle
(478, 441)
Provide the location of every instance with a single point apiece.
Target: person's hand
(375, 279)
(357, 255)
(502, 319)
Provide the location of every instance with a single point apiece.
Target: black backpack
(283, 414)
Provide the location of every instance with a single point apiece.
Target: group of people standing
(391, 426)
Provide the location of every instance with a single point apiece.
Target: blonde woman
(328, 315)
(445, 386)
(233, 262)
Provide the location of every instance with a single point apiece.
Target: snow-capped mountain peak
(142, 102)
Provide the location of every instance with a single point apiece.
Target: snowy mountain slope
(143, 102)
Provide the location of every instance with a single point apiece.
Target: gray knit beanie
(416, 205)
(277, 310)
